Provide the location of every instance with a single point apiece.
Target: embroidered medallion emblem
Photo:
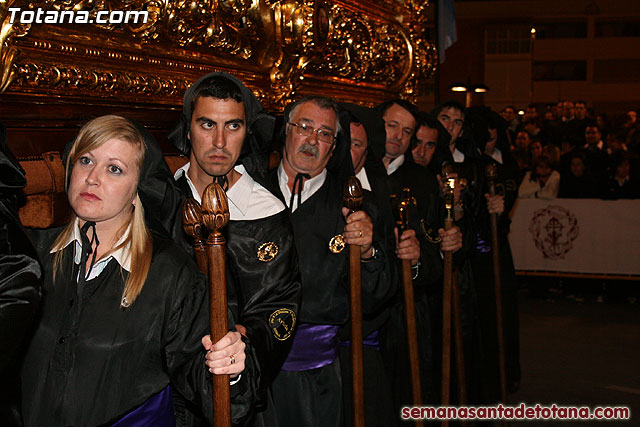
(554, 229)
(430, 235)
(337, 244)
(282, 322)
(267, 251)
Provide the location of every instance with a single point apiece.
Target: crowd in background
(570, 151)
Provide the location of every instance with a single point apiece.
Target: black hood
(260, 126)
(442, 153)
(156, 187)
(373, 124)
(480, 120)
(12, 176)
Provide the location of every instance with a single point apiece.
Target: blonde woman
(124, 315)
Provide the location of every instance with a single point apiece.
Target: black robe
(475, 214)
(94, 365)
(325, 279)
(425, 219)
(258, 289)
(482, 263)
(20, 275)
(264, 295)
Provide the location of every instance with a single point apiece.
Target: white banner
(576, 236)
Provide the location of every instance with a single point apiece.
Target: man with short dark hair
(426, 140)
(310, 180)
(223, 129)
(580, 110)
(596, 152)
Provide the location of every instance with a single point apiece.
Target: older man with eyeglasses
(310, 179)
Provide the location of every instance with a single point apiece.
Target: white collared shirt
(364, 181)
(496, 155)
(599, 145)
(248, 200)
(458, 156)
(122, 255)
(309, 187)
(395, 164)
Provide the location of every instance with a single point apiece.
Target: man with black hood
(427, 136)
(363, 127)
(429, 238)
(462, 152)
(490, 132)
(310, 180)
(225, 132)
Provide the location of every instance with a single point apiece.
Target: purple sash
(314, 346)
(371, 341)
(156, 411)
(482, 246)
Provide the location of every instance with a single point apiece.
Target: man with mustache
(310, 179)
(225, 131)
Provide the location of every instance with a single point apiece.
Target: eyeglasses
(323, 135)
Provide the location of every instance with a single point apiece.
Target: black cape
(114, 359)
(20, 293)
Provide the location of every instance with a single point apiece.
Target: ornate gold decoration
(361, 51)
(425, 57)
(282, 322)
(92, 80)
(8, 53)
(337, 244)
(267, 251)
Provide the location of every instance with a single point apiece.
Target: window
(559, 70)
(616, 70)
(618, 28)
(508, 39)
(561, 30)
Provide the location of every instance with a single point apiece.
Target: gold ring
(232, 359)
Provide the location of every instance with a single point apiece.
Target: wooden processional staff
(352, 198)
(402, 221)
(211, 258)
(492, 174)
(451, 302)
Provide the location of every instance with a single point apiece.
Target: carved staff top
(447, 170)
(401, 208)
(491, 173)
(192, 219)
(353, 194)
(215, 212)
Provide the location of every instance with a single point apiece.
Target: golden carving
(8, 32)
(92, 80)
(284, 48)
(424, 53)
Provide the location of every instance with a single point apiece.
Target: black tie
(222, 181)
(298, 182)
(87, 249)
